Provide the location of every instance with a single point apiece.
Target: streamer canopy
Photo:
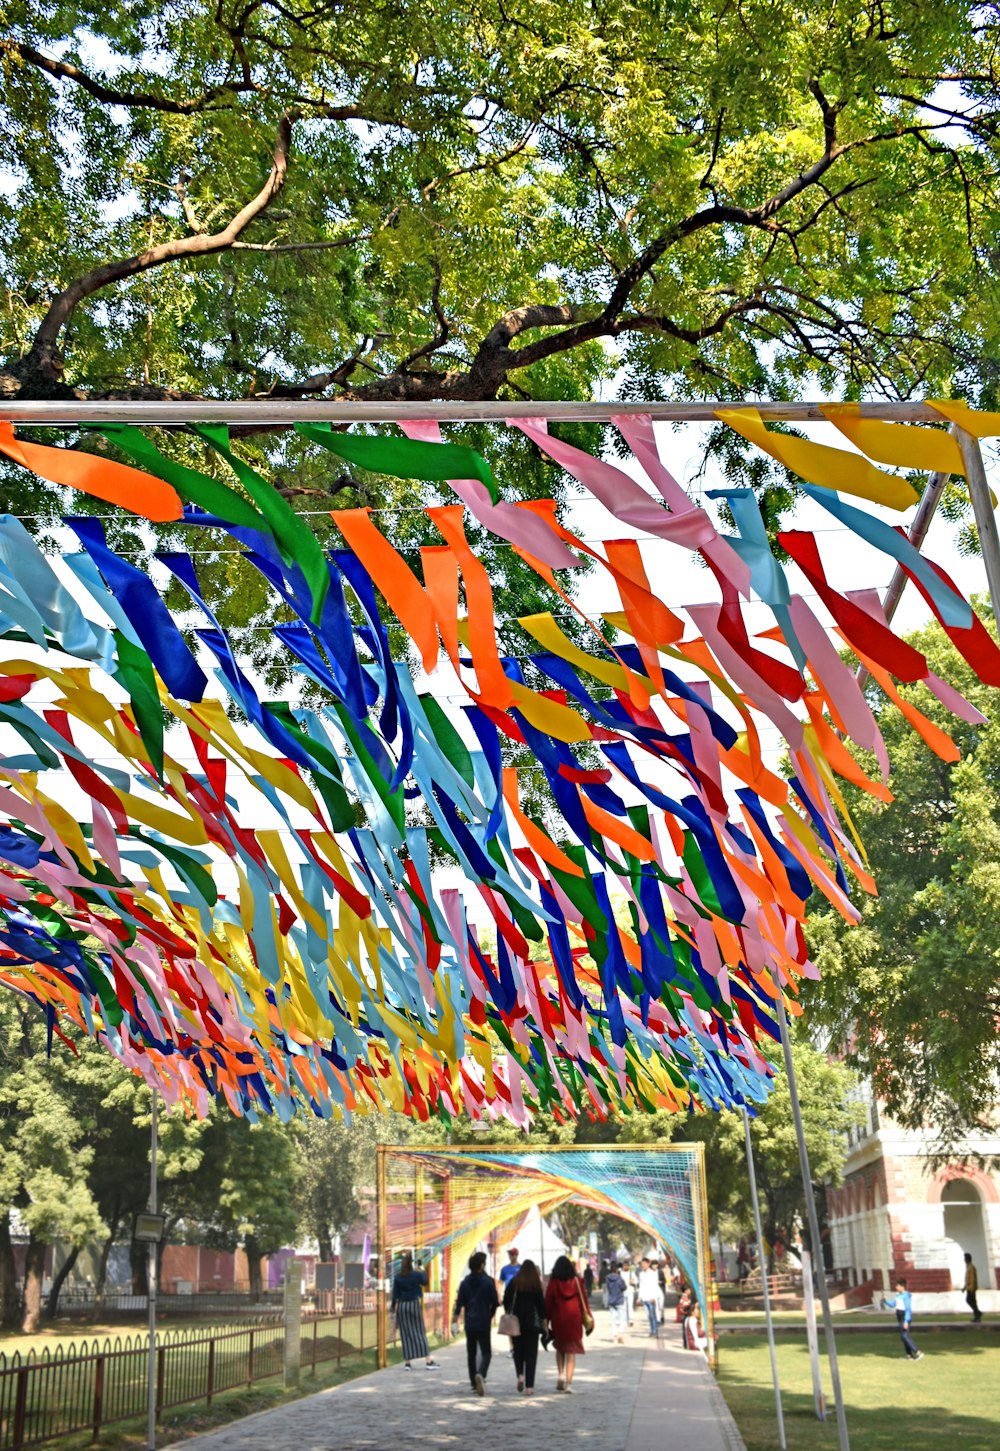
(581, 888)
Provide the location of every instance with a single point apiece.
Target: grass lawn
(949, 1399)
(866, 1315)
(72, 1332)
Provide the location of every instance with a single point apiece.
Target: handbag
(508, 1323)
(588, 1319)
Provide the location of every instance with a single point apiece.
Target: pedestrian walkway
(625, 1398)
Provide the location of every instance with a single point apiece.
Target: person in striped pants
(408, 1307)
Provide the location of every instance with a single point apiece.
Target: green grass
(71, 1332)
(864, 1316)
(950, 1399)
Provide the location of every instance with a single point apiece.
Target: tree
(244, 1190)
(577, 1222)
(44, 1156)
(335, 1159)
(828, 1111)
(426, 200)
(913, 991)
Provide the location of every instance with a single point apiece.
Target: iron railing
(82, 1387)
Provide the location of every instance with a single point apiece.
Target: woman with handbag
(523, 1320)
(567, 1310)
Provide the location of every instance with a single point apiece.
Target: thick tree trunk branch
(497, 356)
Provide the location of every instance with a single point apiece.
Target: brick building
(897, 1212)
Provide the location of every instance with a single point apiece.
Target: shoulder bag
(508, 1323)
(588, 1319)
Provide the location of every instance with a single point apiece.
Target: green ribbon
(135, 673)
(194, 487)
(404, 458)
(297, 542)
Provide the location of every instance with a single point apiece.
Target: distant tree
(828, 1111)
(335, 1165)
(44, 1155)
(913, 992)
(243, 1193)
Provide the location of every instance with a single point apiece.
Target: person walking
(649, 1288)
(524, 1299)
(588, 1279)
(972, 1289)
(408, 1307)
(477, 1302)
(628, 1275)
(510, 1269)
(616, 1298)
(661, 1290)
(568, 1312)
(902, 1303)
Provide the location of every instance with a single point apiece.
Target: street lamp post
(148, 1229)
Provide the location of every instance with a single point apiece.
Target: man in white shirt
(628, 1275)
(649, 1288)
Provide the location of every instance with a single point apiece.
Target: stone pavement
(635, 1397)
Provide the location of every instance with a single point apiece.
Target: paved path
(625, 1398)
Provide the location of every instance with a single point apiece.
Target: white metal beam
(261, 412)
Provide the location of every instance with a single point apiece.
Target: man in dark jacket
(477, 1299)
(615, 1292)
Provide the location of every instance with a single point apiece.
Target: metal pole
(151, 1286)
(284, 412)
(704, 1258)
(819, 1399)
(917, 533)
(831, 1342)
(446, 1295)
(986, 521)
(752, 1171)
(381, 1317)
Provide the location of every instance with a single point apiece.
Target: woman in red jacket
(568, 1313)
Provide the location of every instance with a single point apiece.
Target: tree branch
(484, 164)
(444, 327)
(215, 98)
(274, 247)
(44, 353)
(110, 95)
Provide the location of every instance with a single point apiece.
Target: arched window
(965, 1230)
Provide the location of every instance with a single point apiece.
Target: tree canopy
(425, 199)
(913, 991)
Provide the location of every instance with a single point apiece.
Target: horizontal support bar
(282, 412)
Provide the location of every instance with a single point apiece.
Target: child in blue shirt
(902, 1303)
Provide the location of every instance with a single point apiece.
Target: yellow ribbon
(817, 463)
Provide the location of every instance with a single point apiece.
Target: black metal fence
(118, 1305)
(122, 1305)
(83, 1387)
